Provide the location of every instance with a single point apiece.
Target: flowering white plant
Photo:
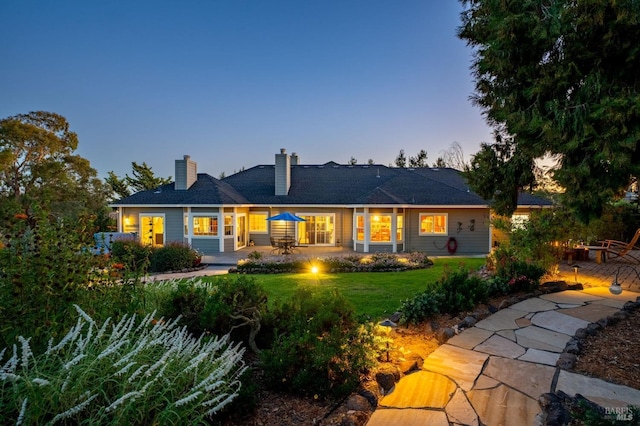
(147, 371)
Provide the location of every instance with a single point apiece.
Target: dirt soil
(609, 355)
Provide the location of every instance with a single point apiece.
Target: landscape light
(615, 287)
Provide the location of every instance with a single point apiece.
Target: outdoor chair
(275, 246)
(621, 249)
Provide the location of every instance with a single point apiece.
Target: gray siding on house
(173, 225)
(228, 245)
(208, 246)
(469, 242)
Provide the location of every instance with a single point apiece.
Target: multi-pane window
(381, 228)
(205, 225)
(258, 223)
(228, 225)
(433, 224)
(360, 227)
(399, 227)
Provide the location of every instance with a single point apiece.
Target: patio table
(600, 252)
(286, 245)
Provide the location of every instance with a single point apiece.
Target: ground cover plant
(136, 371)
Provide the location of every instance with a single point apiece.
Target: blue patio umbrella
(287, 217)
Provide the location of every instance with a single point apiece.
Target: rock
(358, 403)
(492, 309)
(396, 317)
(593, 328)
(410, 366)
(581, 333)
(443, 335)
(468, 321)
(567, 361)
(434, 326)
(371, 397)
(620, 315)
(387, 377)
(602, 322)
(629, 306)
(354, 418)
(572, 346)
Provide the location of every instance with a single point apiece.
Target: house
(369, 208)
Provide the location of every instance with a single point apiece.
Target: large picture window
(433, 224)
(258, 223)
(205, 225)
(380, 228)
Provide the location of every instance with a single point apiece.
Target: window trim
(437, 234)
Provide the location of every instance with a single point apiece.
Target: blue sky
(230, 82)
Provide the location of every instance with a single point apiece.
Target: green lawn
(373, 294)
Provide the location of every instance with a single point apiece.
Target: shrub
(135, 256)
(318, 346)
(44, 267)
(134, 372)
(521, 275)
(172, 257)
(235, 304)
(455, 292)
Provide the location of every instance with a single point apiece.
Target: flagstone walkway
(494, 372)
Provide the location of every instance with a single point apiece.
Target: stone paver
(534, 304)
(460, 411)
(504, 406)
(591, 312)
(392, 416)
(531, 379)
(501, 346)
(604, 393)
(554, 320)
(469, 338)
(540, 357)
(422, 389)
(494, 373)
(541, 338)
(504, 319)
(570, 297)
(461, 365)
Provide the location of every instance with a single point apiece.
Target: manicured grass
(373, 294)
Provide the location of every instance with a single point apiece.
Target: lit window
(381, 228)
(258, 223)
(360, 227)
(399, 227)
(228, 225)
(433, 224)
(205, 225)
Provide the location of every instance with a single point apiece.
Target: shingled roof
(325, 184)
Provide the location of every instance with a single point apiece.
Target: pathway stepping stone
(485, 382)
(541, 338)
(500, 346)
(461, 365)
(540, 357)
(390, 416)
(591, 312)
(514, 408)
(534, 304)
(422, 389)
(599, 391)
(530, 379)
(504, 319)
(459, 410)
(570, 297)
(470, 338)
(604, 292)
(555, 321)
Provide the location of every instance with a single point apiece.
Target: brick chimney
(186, 173)
(283, 172)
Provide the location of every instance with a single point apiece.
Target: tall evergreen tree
(558, 78)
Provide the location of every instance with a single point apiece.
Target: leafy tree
(38, 166)
(559, 78)
(352, 161)
(370, 161)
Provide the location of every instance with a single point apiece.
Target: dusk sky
(230, 82)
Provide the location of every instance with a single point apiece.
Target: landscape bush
(376, 262)
(455, 292)
(318, 346)
(139, 258)
(147, 371)
(234, 304)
